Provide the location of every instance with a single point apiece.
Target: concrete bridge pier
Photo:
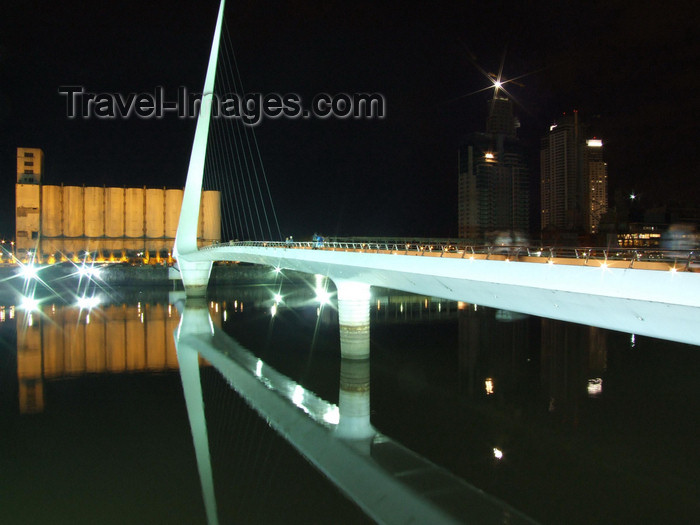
(353, 405)
(195, 276)
(353, 317)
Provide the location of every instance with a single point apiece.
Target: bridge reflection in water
(534, 377)
(388, 481)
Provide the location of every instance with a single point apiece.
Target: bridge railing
(648, 258)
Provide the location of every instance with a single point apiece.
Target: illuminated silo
(133, 218)
(210, 217)
(133, 212)
(114, 221)
(73, 218)
(155, 218)
(173, 202)
(73, 211)
(114, 212)
(51, 219)
(94, 212)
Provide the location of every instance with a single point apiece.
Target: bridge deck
(631, 296)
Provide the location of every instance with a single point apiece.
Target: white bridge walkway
(656, 299)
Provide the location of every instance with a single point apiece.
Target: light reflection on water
(569, 423)
(57, 342)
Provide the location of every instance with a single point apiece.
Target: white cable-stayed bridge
(652, 293)
(635, 292)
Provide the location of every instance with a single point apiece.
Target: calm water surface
(567, 423)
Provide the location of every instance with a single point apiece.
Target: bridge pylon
(195, 274)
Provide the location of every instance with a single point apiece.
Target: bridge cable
(236, 219)
(222, 182)
(226, 133)
(234, 165)
(214, 163)
(249, 166)
(229, 51)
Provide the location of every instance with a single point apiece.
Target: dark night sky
(630, 67)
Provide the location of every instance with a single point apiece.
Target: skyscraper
(493, 184)
(596, 179)
(573, 178)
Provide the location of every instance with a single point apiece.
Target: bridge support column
(354, 407)
(353, 317)
(195, 276)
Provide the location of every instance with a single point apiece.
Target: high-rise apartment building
(596, 180)
(573, 178)
(493, 187)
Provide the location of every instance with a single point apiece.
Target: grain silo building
(56, 223)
